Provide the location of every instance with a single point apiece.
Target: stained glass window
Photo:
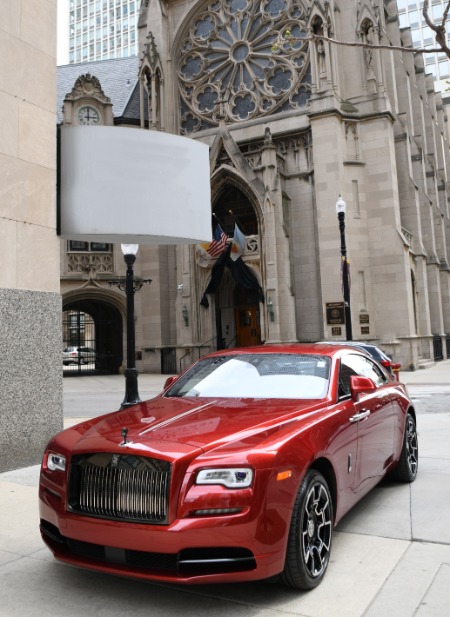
(242, 59)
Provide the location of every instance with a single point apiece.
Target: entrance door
(248, 328)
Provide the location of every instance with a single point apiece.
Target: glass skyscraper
(410, 14)
(97, 29)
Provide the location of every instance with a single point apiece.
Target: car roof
(322, 349)
(366, 349)
(369, 348)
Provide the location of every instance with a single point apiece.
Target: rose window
(243, 59)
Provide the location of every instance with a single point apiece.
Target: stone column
(153, 103)
(435, 298)
(142, 98)
(278, 283)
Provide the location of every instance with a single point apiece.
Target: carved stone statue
(370, 39)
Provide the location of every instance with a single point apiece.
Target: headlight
(56, 462)
(231, 477)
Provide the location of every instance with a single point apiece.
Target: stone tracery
(241, 59)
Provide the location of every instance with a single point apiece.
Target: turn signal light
(284, 475)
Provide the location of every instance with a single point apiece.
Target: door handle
(364, 413)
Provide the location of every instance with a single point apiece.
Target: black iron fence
(437, 347)
(89, 347)
(168, 361)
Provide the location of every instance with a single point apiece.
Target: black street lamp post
(131, 374)
(130, 287)
(340, 210)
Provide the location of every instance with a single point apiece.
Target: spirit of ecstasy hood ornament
(124, 436)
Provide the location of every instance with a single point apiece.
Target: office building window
(98, 20)
(443, 69)
(414, 19)
(403, 19)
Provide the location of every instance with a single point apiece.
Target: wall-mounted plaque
(336, 331)
(365, 330)
(364, 318)
(335, 313)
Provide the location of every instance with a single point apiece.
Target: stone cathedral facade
(292, 121)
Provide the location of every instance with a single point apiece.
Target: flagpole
(218, 220)
(236, 220)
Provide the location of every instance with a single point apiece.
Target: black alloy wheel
(310, 534)
(406, 470)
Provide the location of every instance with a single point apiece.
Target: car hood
(176, 426)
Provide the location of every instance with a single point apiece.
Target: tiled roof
(118, 79)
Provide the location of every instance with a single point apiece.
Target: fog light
(216, 511)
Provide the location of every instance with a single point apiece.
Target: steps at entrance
(423, 364)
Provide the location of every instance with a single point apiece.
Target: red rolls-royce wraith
(238, 471)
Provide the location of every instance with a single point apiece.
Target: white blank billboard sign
(133, 186)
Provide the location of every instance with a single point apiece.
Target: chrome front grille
(125, 487)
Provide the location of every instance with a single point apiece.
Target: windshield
(270, 375)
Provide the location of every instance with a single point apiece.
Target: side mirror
(169, 381)
(361, 385)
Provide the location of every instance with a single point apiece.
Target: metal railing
(437, 347)
(198, 348)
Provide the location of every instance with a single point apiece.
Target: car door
(374, 417)
(342, 446)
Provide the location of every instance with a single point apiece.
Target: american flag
(218, 243)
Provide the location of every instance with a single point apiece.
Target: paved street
(431, 399)
(391, 554)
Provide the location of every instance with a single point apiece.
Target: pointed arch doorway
(238, 313)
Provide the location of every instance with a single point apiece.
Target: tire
(310, 534)
(406, 470)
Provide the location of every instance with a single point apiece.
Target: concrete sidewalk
(390, 558)
(438, 374)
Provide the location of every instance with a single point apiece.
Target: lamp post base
(131, 388)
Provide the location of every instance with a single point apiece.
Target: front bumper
(239, 547)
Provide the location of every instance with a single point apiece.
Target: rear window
(375, 353)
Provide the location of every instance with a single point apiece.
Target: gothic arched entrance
(238, 322)
(94, 328)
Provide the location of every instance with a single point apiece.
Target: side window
(345, 372)
(382, 377)
(352, 364)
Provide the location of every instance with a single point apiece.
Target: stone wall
(31, 375)
(30, 304)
